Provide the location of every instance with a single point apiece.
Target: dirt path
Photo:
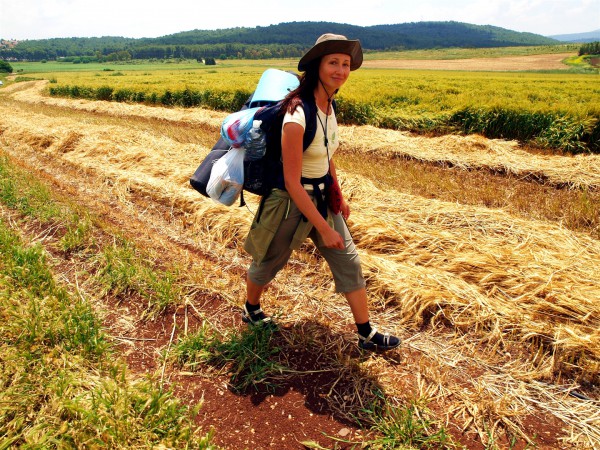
(131, 164)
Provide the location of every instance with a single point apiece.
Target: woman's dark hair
(308, 83)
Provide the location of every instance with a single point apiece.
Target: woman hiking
(301, 210)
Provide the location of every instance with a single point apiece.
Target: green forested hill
(281, 40)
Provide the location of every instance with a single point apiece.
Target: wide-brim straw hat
(328, 44)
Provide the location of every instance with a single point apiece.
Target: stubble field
(496, 302)
(529, 62)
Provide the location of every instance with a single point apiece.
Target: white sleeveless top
(314, 158)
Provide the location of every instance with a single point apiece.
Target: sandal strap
(369, 337)
(256, 313)
(253, 313)
(252, 316)
(386, 339)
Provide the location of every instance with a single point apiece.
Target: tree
(5, 67)
(593, 48)
(209, 61)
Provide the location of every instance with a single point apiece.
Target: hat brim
(347, 47)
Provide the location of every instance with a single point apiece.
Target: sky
(41, 19)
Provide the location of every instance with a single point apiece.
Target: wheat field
(499, 313)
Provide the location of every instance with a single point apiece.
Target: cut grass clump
(397, 427)
(78, 234)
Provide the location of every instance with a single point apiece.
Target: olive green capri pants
(344, 264)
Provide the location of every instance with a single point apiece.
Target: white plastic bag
(227, 177)
(235, 127)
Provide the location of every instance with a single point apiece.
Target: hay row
(502, 393)
(474, 267)
(467, 152)
(482, 270)
(34, 94)
(474, 151)
(469, 265)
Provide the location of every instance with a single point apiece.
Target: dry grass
(499, 313)
(464, 152)
(576, 209)
(581, 171)
(506, 63)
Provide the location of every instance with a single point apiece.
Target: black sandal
(257, 317)
(388, 342)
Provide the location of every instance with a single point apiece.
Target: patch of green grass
(123, 272)
(46, 315)
(20, 79)
(78, 234)
(248, 356)
(406, 426)
(60, 385)
(19, 191)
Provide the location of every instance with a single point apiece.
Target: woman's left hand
(345, 209)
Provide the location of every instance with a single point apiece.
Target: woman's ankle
(364, 329)
(251, 308)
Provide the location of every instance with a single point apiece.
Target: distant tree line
(592, 48)
(199, 52)
(285, 40)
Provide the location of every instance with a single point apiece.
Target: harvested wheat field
(530, 62)
(498, 311)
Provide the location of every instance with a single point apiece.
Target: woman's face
(334, 70)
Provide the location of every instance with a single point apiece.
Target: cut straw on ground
(471, 290)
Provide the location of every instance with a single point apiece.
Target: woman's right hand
(332, 239)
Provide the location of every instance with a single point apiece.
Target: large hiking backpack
(262, 175)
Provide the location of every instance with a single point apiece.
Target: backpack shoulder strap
(310, 115)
